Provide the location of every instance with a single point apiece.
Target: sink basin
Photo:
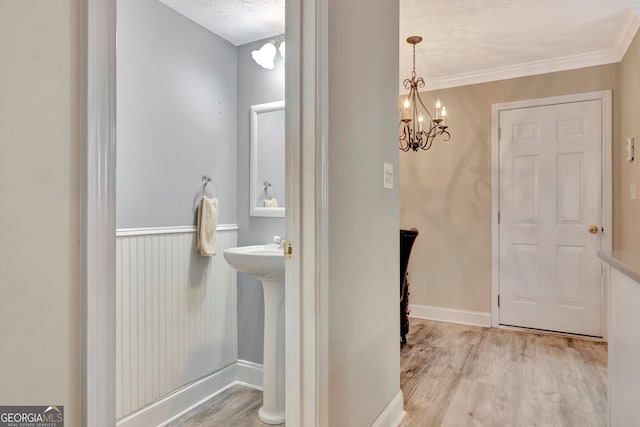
(266, 262)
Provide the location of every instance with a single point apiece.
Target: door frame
(306, 221)
(607, 199)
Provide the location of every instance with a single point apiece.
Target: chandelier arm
(427, 144)
(424, 107)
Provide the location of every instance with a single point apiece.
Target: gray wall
(177, 92)
(256, 86)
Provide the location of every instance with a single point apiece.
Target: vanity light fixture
(418, 128)
(266, 54)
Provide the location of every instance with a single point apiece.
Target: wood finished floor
(236, 406)
(457, 376)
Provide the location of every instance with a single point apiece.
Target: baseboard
(442, 314)
(249, 374)
(180, 401)
(393, 413)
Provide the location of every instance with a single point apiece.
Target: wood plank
(236, 406)
(457, 375)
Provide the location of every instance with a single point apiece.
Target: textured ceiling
(465, 41)
(238, 21)
(463, 37)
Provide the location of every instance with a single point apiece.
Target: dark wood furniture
(407, 237)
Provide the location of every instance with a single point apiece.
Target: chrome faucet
(279, 241)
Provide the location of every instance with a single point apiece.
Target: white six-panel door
(550, 196)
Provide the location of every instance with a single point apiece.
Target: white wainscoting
(176, 316)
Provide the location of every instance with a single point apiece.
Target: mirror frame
(253, 175)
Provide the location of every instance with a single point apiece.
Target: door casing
(607, 198)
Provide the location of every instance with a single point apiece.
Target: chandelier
(414, 131)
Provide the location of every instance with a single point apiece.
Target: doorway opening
(303, 391)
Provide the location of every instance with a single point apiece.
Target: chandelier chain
(413, 73)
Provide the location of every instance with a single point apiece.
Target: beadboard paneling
(176, 317)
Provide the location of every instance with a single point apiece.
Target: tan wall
(446, 192)
(626, 212)
(39, 205)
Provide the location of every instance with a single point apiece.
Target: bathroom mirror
(266, 183)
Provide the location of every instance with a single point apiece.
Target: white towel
(273, 203)
(206, 229)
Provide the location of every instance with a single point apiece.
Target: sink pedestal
(266, 263)
(273, 395)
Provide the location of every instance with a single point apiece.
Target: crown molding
(627, 32)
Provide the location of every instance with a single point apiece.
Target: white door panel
(550, 193)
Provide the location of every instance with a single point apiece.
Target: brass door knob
(594, 229)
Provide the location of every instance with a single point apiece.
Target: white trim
(253, 169)
(627, 31)
(293, 282)
(181, 401)
(495, 209)
(98, 214)
(451, 315)
(306, 274)
(393, 413)
(607, 202)
(623, 39)
(249, 374)
(607, 187)
(322, 215)
(148, 231)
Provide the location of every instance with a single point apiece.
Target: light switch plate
(388, 176)
(632, 191)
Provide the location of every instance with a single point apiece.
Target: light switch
(388, 176)
(632, 191)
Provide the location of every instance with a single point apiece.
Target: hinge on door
(498, 300)
(288, 250)
(499, 134)
(498, 217)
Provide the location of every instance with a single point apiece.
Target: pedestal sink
(266, 262)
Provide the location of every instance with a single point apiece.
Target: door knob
(594, 229)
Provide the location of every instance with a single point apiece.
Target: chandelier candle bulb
(414, 136)
(405, 111)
